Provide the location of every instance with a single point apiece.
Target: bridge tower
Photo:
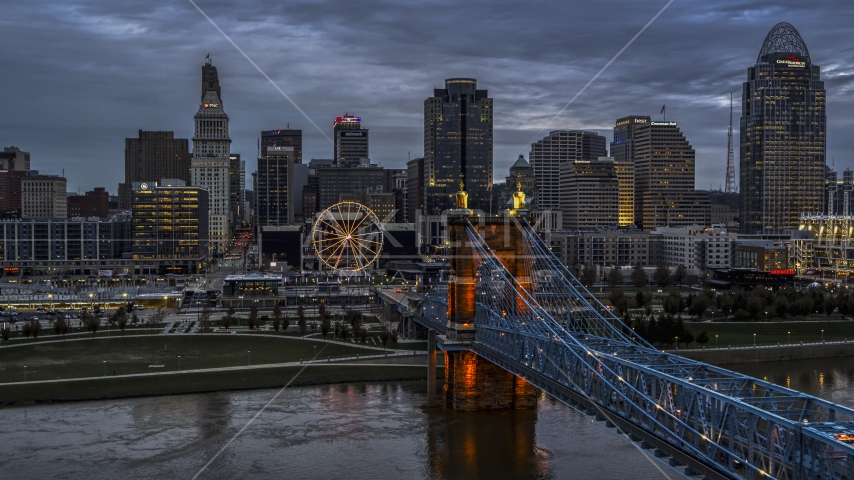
(471, 382)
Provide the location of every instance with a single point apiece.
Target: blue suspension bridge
(536, 321)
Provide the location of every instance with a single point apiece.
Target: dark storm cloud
(80, 77)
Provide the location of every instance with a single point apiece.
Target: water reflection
(828, 378)
(467, 444)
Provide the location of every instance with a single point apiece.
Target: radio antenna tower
(730, 161)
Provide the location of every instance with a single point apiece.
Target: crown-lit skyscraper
(783, 135)
(457, 145)
(212, 157)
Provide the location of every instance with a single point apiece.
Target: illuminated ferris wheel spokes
(346, 236)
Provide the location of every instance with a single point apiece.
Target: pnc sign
(211, 105)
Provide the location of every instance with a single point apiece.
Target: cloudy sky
(79, 77)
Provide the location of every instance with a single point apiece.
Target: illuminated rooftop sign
(792, 61)
(347, 119)
(211, 105)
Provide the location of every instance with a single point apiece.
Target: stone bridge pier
(471, 382)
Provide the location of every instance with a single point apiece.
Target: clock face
(144, 186)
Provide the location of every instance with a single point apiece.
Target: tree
(60, 326)
(681, 274)
(204, 317)
(829, 305)
(699, 306)
(754, 306)
(703, 338)
(159, 316)
(614, 277)
(363, 335)
(27, 329)
(134, 320)
(226, 321)
(662, 275)
(727, 304)
(639, 299)
(252, 322)
(385, 336)
(588, 276)
(781, 306)
(321, 310)
(638, 276)
(122, 322)
(343, 329)
(324, 327)
(5, 332)
(302, 324)
(277, 316)
(394, 335)
(92, 323)
(619, 301)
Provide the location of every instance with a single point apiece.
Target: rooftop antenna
(730, 158)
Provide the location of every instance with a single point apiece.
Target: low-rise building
(65, 246)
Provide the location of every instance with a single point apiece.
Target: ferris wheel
(347, 236)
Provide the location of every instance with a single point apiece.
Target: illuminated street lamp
(822, 336)
(790, 337)
(754, 340)
(249, 357)
(716, 341)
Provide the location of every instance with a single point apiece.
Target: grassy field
(772, 332)
(197, 382)
(129, 355)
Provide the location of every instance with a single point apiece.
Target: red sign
(782, 272)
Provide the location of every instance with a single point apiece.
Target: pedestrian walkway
(167, 328)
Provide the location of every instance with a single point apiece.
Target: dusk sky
(80, 77)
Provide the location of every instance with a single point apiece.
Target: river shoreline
(200, 381)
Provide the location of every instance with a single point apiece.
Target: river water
(354, 431)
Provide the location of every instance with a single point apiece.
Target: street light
(105, 368)
(822, 336)
(249, 356)
(754, 339)
(25, 373)
(677, 344)
(179, 363)
(716, 341)
(790, 337)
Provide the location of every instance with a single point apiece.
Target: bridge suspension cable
(737, 425)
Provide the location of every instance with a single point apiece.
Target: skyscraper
(151, 157)
(783, 135)
(274, 195)
(351, 141)
(589, 193)
(559, 147)
(212, 157)
(457, 145)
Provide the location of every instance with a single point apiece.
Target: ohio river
(354, 431)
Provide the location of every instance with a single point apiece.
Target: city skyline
(689, 59)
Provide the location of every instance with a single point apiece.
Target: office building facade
(64, 246)
(152, 156)
(95, 203)
(43, 196)
(783, 136)
(169, 229)
(589, 194)
(559, 147)
(350, 141)
(14, 159)
(457, 145)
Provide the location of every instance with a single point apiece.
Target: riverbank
(768, 353)
(202, 381)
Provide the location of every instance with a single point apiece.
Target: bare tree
(324, 327)
(37, 329)
(159, 316)
(252, 322)
(122, 322)
(205, 317)
(5, 332)
(27, 329)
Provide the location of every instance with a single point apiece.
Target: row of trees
(662, 276)
(666, 330)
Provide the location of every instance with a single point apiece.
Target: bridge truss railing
(433, 310)
(737, 425)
